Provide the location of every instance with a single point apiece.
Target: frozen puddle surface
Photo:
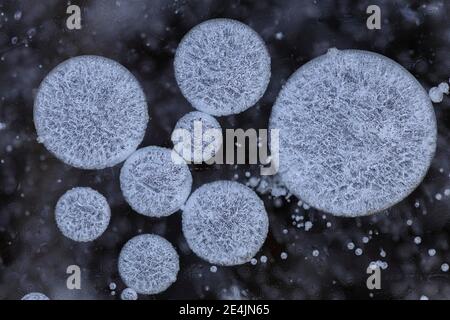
(225, 223)
(357, 132)
(90, 112)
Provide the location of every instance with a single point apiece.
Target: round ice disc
(90, 112)
(357, 132)
(82, 214)
(153, 184)
(222, 67)
(148, 264)
(225, 223)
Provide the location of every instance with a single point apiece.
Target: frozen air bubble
(90, 112)
(204, 139)
(436, 95)
(153, 184)
(357, 133)
(444, 87)
(82, 214)
(444, 267)
(225, 223)
(148, 264)
(222, 67)
(128, 294)
(35, 296)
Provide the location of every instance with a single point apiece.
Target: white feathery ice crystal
(82, 214)
(222, 67)
(153, 184)
(202, 144)
(148, 264)
(35, 296)
(90, 112)
(225, 223)
(357, 132)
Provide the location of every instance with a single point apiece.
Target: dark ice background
(143, 36)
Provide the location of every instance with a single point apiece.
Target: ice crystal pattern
(357, 132)
(148, 264)
(82, 214)
(35, 296)
(200, 147)
(225, 223)
(90, 112)
(222, 67)
(153, 184)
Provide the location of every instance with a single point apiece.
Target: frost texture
(225, 223)
(82, 214)
(128, 294)
(35, 296)
(90, 112)
(357, 132)
(148, 264)
(197, 150)
(153, 184)
(222, 67)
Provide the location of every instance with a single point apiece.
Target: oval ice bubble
(154, 184)
(357, 132)
(225, 223)
(148, 264)
(222, 67)
(197, 137)
(90, 112)
(82, 214)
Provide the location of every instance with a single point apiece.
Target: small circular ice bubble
(204, 139)
(436, 95)
(148, 264)
(82, 214)
(222, 67)
(225, 223)
(153, 184)
(128, 294)
(90, 112)
(357, 132)
(35, 296)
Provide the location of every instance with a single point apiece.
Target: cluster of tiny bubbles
(35, 296)
(90, 112)
(148, 264)
(225, 223)
(153, 184)
(197, 137)
(357, 132)
(82, 214)
(222, 67)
